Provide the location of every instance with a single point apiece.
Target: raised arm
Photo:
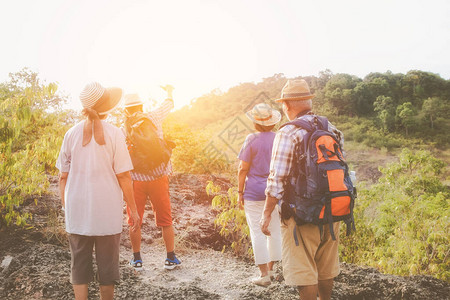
(164, 109)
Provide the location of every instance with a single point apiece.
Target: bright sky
(201, 45)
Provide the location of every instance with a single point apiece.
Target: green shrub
(32, 130)
(230, 219)
(403, 221)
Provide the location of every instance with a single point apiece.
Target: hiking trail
(35, 262)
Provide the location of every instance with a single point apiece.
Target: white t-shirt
(93, 197)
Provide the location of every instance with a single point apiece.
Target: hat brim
(295, 98)
(115, 97)
(134, 104)
(276, 117)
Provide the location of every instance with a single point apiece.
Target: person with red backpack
(150, 155)
(310, 179)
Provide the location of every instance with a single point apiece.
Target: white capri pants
(265, 248)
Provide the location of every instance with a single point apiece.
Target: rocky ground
(35, 260)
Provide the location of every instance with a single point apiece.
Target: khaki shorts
(312, 259)
(106, 256)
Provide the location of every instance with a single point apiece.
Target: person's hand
(169, 89)
(264, 224)
(135, 221)
(241, 200)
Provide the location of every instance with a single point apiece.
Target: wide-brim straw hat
(132, 100)
(103, 100)
(264, 115)
(295, 90)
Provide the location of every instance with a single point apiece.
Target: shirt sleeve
(246, 152)
(122, 161)
(64, 157)
(280, 164)
(163, 110)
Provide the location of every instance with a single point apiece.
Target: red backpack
(322, 192)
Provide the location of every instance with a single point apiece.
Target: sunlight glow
(198, 46)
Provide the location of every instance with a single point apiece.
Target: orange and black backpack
(321, 191)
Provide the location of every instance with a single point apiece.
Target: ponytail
(93, 120)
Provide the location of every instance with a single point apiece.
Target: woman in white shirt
(94, 180)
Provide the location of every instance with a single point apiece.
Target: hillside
(399, 151)
(380, 114)
(414, 104)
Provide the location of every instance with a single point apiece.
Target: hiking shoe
(171, 264)
(137, 264)
(262, 281)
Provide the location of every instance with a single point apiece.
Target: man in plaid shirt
(153, 185)
(313, 264)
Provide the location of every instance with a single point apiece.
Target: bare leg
(263, 269)
(325, 288)
(107, 292)
(169, 238)
(135, 238)
(308, 292)
(80, 291)
(270, 265)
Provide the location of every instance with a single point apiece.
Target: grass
(445, 156)
(55, 228)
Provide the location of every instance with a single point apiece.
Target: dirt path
(205, 272)
(34, 263)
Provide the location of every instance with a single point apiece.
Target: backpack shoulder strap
(309, 124)
(322, 122)
(299, 122)
(302, 123)
(138, 117)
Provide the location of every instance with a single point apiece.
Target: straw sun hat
(264, 115)
(132, 100)
(94, 97)
(295, 90)
(103, 100)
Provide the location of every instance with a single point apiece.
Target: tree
(363, 103)
(385, 108)
(405, 115)
(435, 107)
(324, 77)
(339, 92)
(422, 85)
